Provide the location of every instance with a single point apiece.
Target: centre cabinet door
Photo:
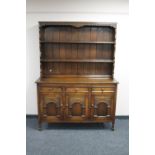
(77, 104)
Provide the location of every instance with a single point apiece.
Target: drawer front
(49, 90)
(103, 90)
(76, 90)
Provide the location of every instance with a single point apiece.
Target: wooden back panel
(83, 50)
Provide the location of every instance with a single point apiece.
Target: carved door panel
(52, 107)
(77, 106)
(102, 105)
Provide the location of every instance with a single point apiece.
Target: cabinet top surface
(77, 24)
(76, 80)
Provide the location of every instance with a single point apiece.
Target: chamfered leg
(39, 125)
(113, 126)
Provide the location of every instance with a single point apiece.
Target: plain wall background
(92, 10)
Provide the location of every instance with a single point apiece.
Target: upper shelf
(77, 60)
(80, 42)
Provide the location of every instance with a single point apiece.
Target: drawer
(102, 90)
(76, 90)
(49, 89)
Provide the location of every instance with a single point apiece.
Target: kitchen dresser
(76, 83)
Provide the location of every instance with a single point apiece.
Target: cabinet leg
(113, 124)
(39, 126)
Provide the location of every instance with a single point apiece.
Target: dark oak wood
(78, 42)
(76, 24)
(76, 82)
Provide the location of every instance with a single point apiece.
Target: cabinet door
(102, 105)
(77, 106)
(51, 106)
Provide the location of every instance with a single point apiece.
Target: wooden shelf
(86, 50)
(79, 42)
(76, 60)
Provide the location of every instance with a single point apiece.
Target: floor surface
(78, 139)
